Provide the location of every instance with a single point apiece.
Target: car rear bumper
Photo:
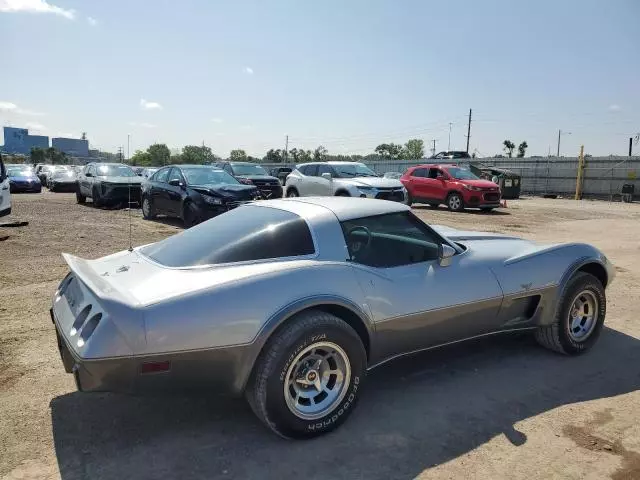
(223, 370)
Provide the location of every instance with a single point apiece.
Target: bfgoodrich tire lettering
(557, 336)
(266, 388)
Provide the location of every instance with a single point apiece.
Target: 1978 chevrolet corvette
(289, 302)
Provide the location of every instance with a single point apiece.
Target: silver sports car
(290, 302)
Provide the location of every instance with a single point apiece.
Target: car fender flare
(284, 314)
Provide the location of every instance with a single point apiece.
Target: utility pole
(559, 134)
(128, 156)
(468, 130)
(433, 148)
(286, 148)
(630, 145)
(449, 144)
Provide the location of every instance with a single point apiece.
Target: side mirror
(326, 176)
(175, 183)
(445, 254)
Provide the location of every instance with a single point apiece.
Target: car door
(306, 186)
(323, 186)
(415, 301)
(435, 185)
(417, 181)
(5, 192)
(174, 193)
(157, 189)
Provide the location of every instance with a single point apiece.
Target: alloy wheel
(583, 316)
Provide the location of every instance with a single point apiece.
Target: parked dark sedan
(62, 180)
(108, 184)
(253, 174)
(193, 193)
(22, 178)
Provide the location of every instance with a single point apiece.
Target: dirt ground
(490, 409)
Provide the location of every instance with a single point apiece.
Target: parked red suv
(452, 185)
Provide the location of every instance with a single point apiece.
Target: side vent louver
(88, 329)
(82, 316)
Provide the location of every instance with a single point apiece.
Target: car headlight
(472, 188)
(212, 200)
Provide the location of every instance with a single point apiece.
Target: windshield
(207, 176)
(19, 172)
(348, 170)
(64, 173)
(461, 174)
(248, 169)
(115, 171)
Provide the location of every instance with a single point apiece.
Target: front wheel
(292, 193)
(81, 199)
(190, 215)
(455, 202)
(309, 376)
(579, 317)
(95, 197)
(148, 212)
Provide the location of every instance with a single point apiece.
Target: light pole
(449, 144)
(560, 132)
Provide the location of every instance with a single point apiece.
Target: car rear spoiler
(98, 282)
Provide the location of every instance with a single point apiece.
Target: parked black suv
(194, 193)
(253, 174)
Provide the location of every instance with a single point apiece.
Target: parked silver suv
(343, 179)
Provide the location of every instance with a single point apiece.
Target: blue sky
(344, 74)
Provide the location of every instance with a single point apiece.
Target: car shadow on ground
(472, 211)
(415, 413)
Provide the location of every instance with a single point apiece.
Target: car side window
(435, 172)
(324, 169)
(419, 172)
(175, 175)
(391, 240)
(311, 170)
(161, 175)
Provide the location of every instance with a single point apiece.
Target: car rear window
(244, 234)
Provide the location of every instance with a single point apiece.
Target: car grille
(395, 195)
(492, 197)
(269, 189)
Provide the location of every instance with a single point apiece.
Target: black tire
(487, 209)
(190, 216)
(342, 193)
(265, 390)
(455, 202)
(434, 205)
(292, 192)
(95, 197)
(409, 199)
(556, 336)
(148, 213)
(81, 199)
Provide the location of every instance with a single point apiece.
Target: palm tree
(508, 147)
(522, 148)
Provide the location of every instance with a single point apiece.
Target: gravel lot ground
(490, 409)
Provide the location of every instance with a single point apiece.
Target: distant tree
(253, 159)
(141, 158)
(274, 156)
(160, 154)
(389, 151)
(522, 148)
(238, 155)
(37, 155)
(508, 147)
(198, 155)
(55, 156)
(320, 154)
(84, 136)
(413, 149)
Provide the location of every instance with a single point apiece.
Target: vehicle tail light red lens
(155, 367)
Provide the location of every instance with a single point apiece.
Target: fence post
(580, 176)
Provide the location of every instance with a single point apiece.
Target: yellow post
(580, 176)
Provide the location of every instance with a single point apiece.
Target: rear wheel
(148, 211)
(80, 198)
(579, 317)
(292, 192)
(342, 193)
(308, 378)
(455, 202)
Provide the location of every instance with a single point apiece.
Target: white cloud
(614, 108)
(246, 127)
(35, 6)
(10, 107)
(35, 126)
(216, 120)
(150, 105)
(142, 124)
(92, 21)
(248, 70)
